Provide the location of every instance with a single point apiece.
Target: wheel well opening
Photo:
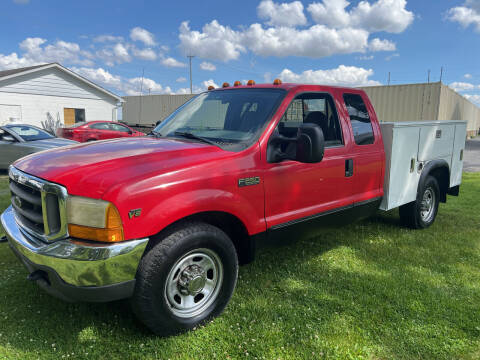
(228, 223)
(442, 174)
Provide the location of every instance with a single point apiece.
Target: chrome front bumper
(78, 264)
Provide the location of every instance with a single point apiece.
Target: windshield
(233, 119)
(29, 133)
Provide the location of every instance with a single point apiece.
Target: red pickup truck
(165, 219)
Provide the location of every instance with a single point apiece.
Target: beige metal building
(410, 102)
(147, 110)
(416, 102)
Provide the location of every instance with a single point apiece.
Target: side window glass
(360, 120)
(316, 108)
(99, 126)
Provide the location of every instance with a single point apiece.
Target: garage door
(10, 113)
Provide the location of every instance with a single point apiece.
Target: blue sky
(320, 41)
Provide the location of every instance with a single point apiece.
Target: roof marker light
(211, 87)
(225, 84)
(277, 82)
(237, 83)
(250, 82)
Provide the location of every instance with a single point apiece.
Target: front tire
(421, 213)
(185, 279)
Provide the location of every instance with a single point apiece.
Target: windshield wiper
(189, 135)
(154, 133)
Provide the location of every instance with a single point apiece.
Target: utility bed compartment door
(457, 155)
(401, 176)
(436, 142)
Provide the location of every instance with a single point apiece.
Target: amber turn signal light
(113, 231)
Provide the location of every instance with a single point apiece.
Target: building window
(73, 116)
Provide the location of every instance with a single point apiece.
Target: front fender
(190, 203)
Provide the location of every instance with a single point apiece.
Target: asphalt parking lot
(471, 159)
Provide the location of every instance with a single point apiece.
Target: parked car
(19, 140)
(165, 219)
(97, 130)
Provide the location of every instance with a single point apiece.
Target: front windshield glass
(29, 133)
(232, 119)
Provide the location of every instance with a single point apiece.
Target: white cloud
(365, 57)
(130, 86)
(315, 42)
(340, 29)
(145, 36)
(208, 83)
(171, 62)
(36, 51)
(342, 76)
(473, 98)
(100, 76)
(467, 76)
(466, 15)
(461, 86)
(285, 14)
(181, 79)
(144, 54)
(107, 38)
(393, 56)
(207, 66)
(12, 61)
(213, 42)
(381, 45)
(381, 15)
(121, 52)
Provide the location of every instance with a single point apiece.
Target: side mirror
(307, 147)
(310, 144)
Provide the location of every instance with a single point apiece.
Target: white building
(30, 95)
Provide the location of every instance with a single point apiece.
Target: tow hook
(3, 239)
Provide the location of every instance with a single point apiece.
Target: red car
(97, 130)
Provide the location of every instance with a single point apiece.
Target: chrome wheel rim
(427, 206)
(193, 282)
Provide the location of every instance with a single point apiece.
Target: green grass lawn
(370, 290)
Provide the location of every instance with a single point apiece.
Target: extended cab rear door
(367, 153)
(296, 191)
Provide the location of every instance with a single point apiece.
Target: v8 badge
(134, 213)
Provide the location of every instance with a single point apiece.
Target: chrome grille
(39, 205)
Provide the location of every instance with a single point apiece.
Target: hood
(50, 143)
(91, 169)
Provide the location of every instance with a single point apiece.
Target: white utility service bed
(409, 146)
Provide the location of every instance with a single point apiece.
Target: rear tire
(421, 213)
(184, 280)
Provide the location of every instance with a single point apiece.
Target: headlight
(92, 219)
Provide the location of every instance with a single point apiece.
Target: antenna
(389, 78)
(428, 76)
(141, 92)
(441, 74)
(190, 57)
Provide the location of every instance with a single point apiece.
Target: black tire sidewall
(432, 183)
(152, 293)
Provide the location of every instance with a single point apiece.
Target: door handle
(349, 168)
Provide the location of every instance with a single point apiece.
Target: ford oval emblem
(17, 201)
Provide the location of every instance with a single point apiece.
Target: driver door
(10, 149)
(296, 191)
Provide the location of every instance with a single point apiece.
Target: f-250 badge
(249, 181)
(134, 212)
